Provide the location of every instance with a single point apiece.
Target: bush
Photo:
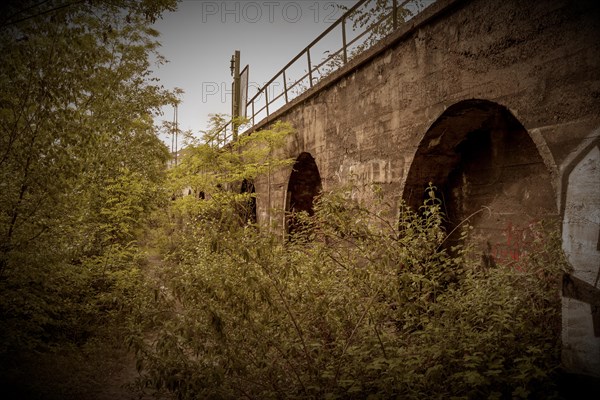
(349, 307)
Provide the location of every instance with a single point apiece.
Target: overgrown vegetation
(351, 306)
(80, 169)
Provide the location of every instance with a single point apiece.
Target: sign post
(235, 105)
(240, 92)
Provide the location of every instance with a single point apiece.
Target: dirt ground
(102, 369)
(95, 373)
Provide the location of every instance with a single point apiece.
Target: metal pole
(285, 87)
(173, 136)
(344, 40)
(267, 99)
(309, 66)
(236, 95)
(395, 14)
(176, 134)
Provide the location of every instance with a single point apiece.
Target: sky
(199, 39)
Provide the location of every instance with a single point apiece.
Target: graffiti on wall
(518, 240)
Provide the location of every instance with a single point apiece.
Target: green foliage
(349, 307)
(80, 164)
(219, 172)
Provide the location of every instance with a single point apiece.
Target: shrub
(350, 307)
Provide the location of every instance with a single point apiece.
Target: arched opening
(487, 170)
(249, 209)
(304, 185)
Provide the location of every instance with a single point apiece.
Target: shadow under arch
(487, 170)
(303, 186)
(249, 209)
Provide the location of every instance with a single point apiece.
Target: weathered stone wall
(521, 79)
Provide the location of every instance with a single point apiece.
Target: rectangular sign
(244, 91)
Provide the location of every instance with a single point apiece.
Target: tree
(217, 173)
(80, 163)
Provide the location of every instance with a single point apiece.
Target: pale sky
(200, 38)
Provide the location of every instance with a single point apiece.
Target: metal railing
(393, 14)
(221, 136)
(388, 17)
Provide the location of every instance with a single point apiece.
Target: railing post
(285, 87)
(267, 99)
(395, 14)
(309, 67)
(348, 42)
(344, 40)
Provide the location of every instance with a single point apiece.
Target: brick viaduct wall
(498, 104)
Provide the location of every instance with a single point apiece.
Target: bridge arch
(303, 187)
(488, 171)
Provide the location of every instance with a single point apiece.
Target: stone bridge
(497, 102)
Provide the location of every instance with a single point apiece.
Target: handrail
(315, 41)
(254, 110)
(215, 140)
(343, 51)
